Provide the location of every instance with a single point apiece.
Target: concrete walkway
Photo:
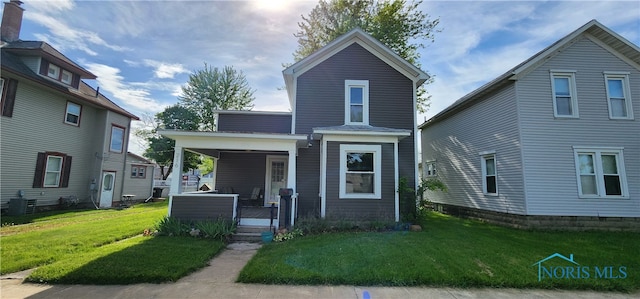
(217, 281)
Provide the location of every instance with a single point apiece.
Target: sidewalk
(217, 281)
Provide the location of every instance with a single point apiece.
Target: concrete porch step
(249, 233)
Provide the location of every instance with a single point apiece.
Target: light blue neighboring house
(557, 135)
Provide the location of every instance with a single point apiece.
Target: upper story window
(66, 77)
(600, 173)
(565, 99)
(117, 139)
(618, 95)
(57, 73)
(360, 171)
(53, 71)
(72, 115)
(489, 173)
(8, 88)
(356, 102)
(430, 169)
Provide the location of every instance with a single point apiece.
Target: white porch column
(215, 173)
(397, 179)
(176, 181)
(176, 186)
(291, 180)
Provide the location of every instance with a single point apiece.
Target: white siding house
(557, 135)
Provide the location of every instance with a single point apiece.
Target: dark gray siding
(550, 170)
(366, 209)
(201, 207)
(262, 123)
(320, 92)
(241, 171)
(308, 176)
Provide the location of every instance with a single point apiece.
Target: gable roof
(12, 64)
(363, 39)
(628, 51)
(40, 48)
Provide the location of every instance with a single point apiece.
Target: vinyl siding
(114, 161)
(193, 208)
(365, 209)
(241, 171)
(38, 125)
(320, 102)
(140, 187)
(308, 180)
(455, 143)
(320, 98)
(254, 123)
(550, 168)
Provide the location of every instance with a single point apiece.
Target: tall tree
(213, 89)
(398, 24)
(161, 149)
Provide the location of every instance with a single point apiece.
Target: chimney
(11, 21)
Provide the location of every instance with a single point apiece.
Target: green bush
(220, 229)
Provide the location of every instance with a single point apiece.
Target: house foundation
(566, 223)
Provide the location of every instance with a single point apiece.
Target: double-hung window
(356, 102)
(563, 88)
(52, 170)
(430, 169)
(360, 171)
(53, 71)
(600, 172)
(489, 173)
(618, 95)
(117, 139)
(138, 171)
(72, 115)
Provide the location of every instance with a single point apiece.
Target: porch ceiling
(212, 143)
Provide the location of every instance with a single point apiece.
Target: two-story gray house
(553, 142)
(61, 138)
(350, 136)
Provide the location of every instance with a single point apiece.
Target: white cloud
(49, 15)
(164, 70)
(109, 79)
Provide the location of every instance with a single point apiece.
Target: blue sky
(143, 51)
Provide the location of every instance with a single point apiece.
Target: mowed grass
(64, 236)
(448, 252)
(136, 260)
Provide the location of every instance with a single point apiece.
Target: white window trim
(597, 152)
(572, 90)
(67, 112)
(625, 89)
(377, 170)
(62, 77)
(426, 169)
(365, 101)
(483, 164)
(111, 148)
(56, 73)
(47, 171)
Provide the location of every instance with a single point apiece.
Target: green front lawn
(450, 252)
(54, 237)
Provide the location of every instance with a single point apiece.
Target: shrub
(170, 226)
(220, 229)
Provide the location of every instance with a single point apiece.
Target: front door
(106, 192)
(276, 178)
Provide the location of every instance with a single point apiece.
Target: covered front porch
(249, 171)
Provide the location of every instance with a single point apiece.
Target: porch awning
(210, 143)
(361, 130)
